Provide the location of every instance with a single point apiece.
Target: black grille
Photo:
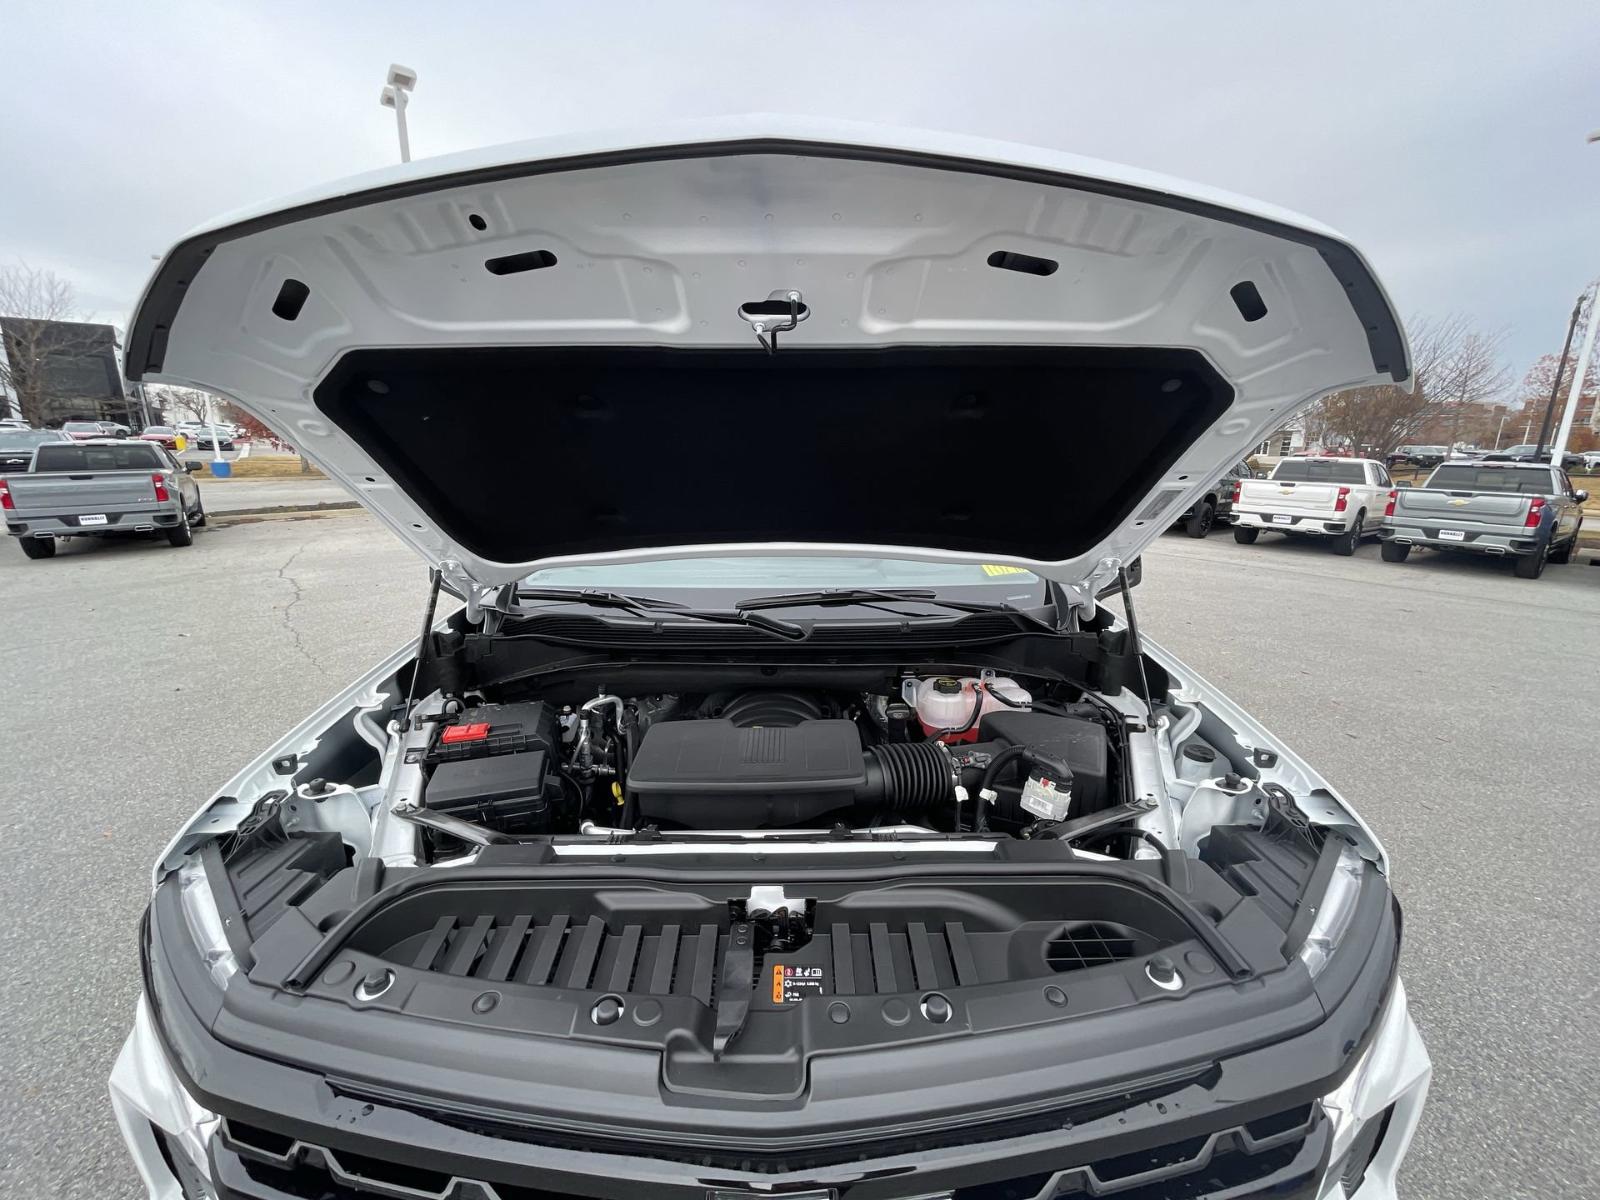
(1094, 944)
(1232, 1162)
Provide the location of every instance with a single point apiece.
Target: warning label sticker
(792, 984)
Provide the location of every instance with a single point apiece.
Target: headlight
(1335, 912)
(205, 922)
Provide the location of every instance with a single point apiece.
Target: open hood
(564, 352)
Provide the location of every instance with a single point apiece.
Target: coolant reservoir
(947, 702)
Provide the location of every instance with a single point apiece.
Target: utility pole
(396, 95)
(1555, 387)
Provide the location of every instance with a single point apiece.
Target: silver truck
(90, 489)
(1529, 511)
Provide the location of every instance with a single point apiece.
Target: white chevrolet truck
(1341, 499)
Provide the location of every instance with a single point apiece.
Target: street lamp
(400, 82)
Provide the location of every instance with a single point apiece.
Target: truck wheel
(1345, 544)
(1564, 555)
(1245, 535)
(198, 520)
(1531, 566)
(1199, 522)
(181, 535)
(38, 547)
(1395, 552)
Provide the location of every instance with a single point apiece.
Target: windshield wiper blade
(595, 598)
(652, 608)
(871, 597)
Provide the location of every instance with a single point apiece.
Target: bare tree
(195, 403)
(43, 327)
(1455, 367)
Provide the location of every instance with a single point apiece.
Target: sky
(1445, 139)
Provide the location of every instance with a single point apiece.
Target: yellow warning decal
(990, 569)
(777, 983)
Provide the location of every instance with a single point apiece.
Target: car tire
(1200, 521)
(181, 535)
(1345, 544)
(1568, 548)
(38, 547)
(1245, 535)
(1395, 552)
(198, 519)
(1531, 566)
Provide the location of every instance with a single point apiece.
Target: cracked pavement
(1440, 696)
(299, 595)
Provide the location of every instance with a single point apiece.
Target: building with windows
(72, 367)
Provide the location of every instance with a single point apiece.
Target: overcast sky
(1446, 139)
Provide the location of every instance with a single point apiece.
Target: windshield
(1533, 481)
(158, 429)
(64, 457)
(713, 581)
(12, 439)
(82, 427)
(1319, 470)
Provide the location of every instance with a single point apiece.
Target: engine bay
(779, 759)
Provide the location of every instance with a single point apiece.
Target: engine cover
(713, 774)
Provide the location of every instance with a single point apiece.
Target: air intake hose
(906, 777)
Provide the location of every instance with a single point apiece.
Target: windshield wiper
(652, 608)
(872, 597)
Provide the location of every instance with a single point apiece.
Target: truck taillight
(5, 496)
(161, 486)
(1535, 512)
(1238, 489)
(1388, 509)
(1343, 501)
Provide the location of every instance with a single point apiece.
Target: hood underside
(549, 354)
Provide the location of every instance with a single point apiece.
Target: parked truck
(91, 489)
(1341, 499)
(1527, 511)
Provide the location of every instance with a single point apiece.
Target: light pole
(396, 95)
(1576, 393)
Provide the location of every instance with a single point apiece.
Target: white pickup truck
(1337, 498)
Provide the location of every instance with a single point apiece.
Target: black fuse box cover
(507, 792)
(513, 729)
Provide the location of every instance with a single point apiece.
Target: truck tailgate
(70, 494)
(1269, 495)
(1419, 504)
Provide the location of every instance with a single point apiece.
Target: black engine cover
(716, 775)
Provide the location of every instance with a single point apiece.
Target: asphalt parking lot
(1450, 701)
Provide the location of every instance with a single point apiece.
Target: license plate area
(1452, 535)
(1282, 519)
(92, 519)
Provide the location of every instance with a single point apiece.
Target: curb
(272, 510)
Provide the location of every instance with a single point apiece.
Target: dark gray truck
(1527, 511)
(91, 489)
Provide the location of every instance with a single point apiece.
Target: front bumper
(1350, 1144)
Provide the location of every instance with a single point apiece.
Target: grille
(1232, 1162)
(1094, 944)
